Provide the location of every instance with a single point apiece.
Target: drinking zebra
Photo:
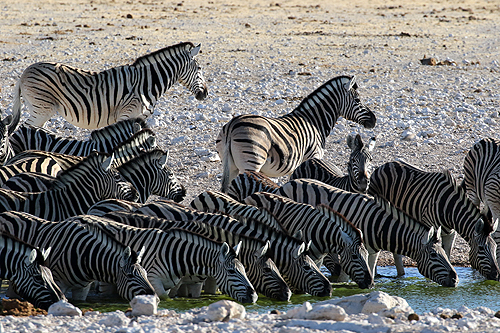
(175, 253)
(24, 265)
(357, 178)
(383, 228)
(328, 235)
(435, 199)
(250, 182)
(276, 146)
(482, 180)
(80, 254)
(260, 269)
(91, 100)
(104, 139)
(74, 191)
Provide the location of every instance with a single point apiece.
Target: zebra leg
(210, 286)
(448, 242)
(80, 293)
(398, 261)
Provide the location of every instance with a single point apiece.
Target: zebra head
(432, 261)
(114, 186)
(192, 76)
(482, 253)
(231, 276)
(168, 185)
(359, 163)
(352, 108)
(305, 274)
(34, 282)
(270, 282)
(7, 126)
(132, 278)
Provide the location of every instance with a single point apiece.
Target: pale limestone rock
(146, 305)
(225, 310)
(63, 308)
(326, 312)
(115, 319)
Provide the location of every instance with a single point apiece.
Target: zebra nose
(202, 94)
(452, 280)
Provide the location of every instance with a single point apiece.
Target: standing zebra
(175, 253)
(383, 228)
(260, 269)
(74, 191)
(482, 180)
(328, 235)
(91, 100)
(435, 199)
(24, 265)
(250, 182)
(103, 140)
(276, 146)
(81, 254)
(357, 178)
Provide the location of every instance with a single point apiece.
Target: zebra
(188, 253)
(104, 207)
(276, 146)
(103, 140)
(7, 127)
(481, 180)
(334, 235)
(383, 228)
(34, 169)
(260, 269)
(81, 254)
(74, 191)
(250, 182)
(357, 178)
(435, 199)
(288, 253)
(92, 100)
(24, 265)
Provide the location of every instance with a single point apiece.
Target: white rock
(408, 135)
(144, 305)
(326, 312)
(211, 157)
(63, 308)
(225, 310)
(115, 319)
(200, 151)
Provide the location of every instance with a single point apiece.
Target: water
(421, 294)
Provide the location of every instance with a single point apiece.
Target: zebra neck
(321, 117)
(140, 180)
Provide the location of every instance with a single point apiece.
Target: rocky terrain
(263, 57)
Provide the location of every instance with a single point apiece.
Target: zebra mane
(141, 60)
(144, 159)
(136, 139)
(120, 126)
(39, 256)
(347, 226)
(89, 162)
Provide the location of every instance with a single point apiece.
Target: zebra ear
(352, 84)
(263, 250)
(224, 250)
(298, 234)
(300, 249)
(430, 235)
(140, 254)
(237, 248)
(45, 253)
(151, 141)
(163, 160)
(108, 162)
(195, 50)
(495, 225)
(32, 257)
(127, 253)
(371, 144)
(136, 127)
(478, 228)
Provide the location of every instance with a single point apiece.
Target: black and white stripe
(170, 255)
(435, 199)
(24, 265)
(103, 140)
(331, 234)
(276, 146)
(92, 100)
(75, 190)
(250, 182)
(81, 254)
(383, 228)
(7, 127)
(357, 178)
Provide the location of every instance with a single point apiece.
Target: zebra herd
(75, 212)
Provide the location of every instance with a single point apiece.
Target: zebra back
(249, 182)
(435, 199)
(80, 255)
(396, 232)
(64, 161)
(111, 205)
(29, 182)
(105, 139)
(330, 233)
(25, 267)
(149, 174)
(190, 254)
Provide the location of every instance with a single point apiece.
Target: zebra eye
(307, 267)
(231, 271)
(434, 255)
(355, 256)
(267, 270)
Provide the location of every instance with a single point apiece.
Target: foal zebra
(81, 254)
(383, 228)
(74, 191)
(260, 269)
(103, 140)
(276, 146)
(357, 178)
(91, 100)
(482, 180)
(24, 265)
(170, 255)
(328, 235)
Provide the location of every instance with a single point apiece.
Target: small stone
(428, 61)
(278, 312)
(129, 16)
(144, 305)
(326, 312)
(413, 316)
(444, 316)
(115, 319)
(497, 314)
(225, 310)
(457, 315)
(63, 308)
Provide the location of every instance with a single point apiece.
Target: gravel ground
(263, 57)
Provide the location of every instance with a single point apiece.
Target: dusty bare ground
(286, 48)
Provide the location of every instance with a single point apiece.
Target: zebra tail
(226, 167)
(16, 108)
